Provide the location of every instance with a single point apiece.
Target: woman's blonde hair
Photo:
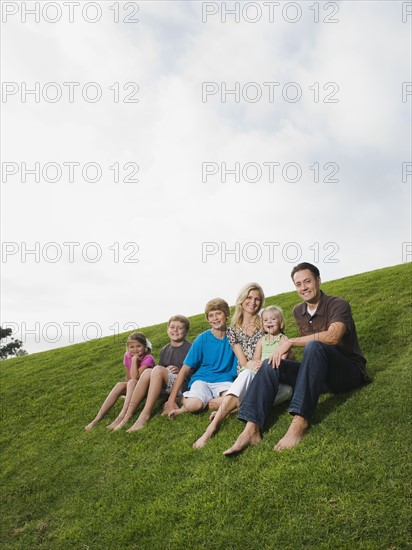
(279, 314)
(237, 319)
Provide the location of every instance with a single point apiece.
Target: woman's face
(252, 303)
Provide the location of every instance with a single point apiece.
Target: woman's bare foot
(249, 436)
(297, 429)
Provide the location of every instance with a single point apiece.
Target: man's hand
(282, 350)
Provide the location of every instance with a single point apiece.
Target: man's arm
(331, 337)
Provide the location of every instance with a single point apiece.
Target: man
(332, 361)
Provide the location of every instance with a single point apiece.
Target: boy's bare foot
(249, 436)
(91, 425)
(175, 412)
(203, 440)
(297, 429)
(139, 424)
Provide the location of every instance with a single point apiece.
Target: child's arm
(135, 368)
(171, 402)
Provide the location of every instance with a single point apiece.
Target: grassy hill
(347, 485)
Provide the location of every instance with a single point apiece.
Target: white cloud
(170, 132)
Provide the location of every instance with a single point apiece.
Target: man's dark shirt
(331, 310)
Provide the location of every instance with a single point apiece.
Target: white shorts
(205, 391)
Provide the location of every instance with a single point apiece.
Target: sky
(158, 154)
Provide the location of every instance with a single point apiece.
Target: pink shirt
(147, 361)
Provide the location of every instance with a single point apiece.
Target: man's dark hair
(305, 265)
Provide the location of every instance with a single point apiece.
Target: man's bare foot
(203, 440)
(249, 436)
(175, 412)
(297, 429)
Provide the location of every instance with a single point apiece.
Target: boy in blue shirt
(212, 360)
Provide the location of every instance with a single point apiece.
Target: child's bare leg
(215, 403)
(158, 381)
(229, 403)
(190, 404)
(116, 392)
(131, 384)
(132, 402)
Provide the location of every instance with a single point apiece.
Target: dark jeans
(322, 369)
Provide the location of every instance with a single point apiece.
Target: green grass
(348, 485)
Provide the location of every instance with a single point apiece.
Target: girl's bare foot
(114, 424)
(121, 424)
(91, 425)
(297, 429)
(249, 436)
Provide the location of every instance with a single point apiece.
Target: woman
(243, 334)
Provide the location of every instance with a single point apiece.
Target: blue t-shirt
(212, 359)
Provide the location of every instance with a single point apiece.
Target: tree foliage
(11, 348)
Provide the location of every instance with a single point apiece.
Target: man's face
(307, 286)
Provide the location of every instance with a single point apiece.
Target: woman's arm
(257, 356)
(241, 357)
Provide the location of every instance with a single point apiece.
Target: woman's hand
(253, 364)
